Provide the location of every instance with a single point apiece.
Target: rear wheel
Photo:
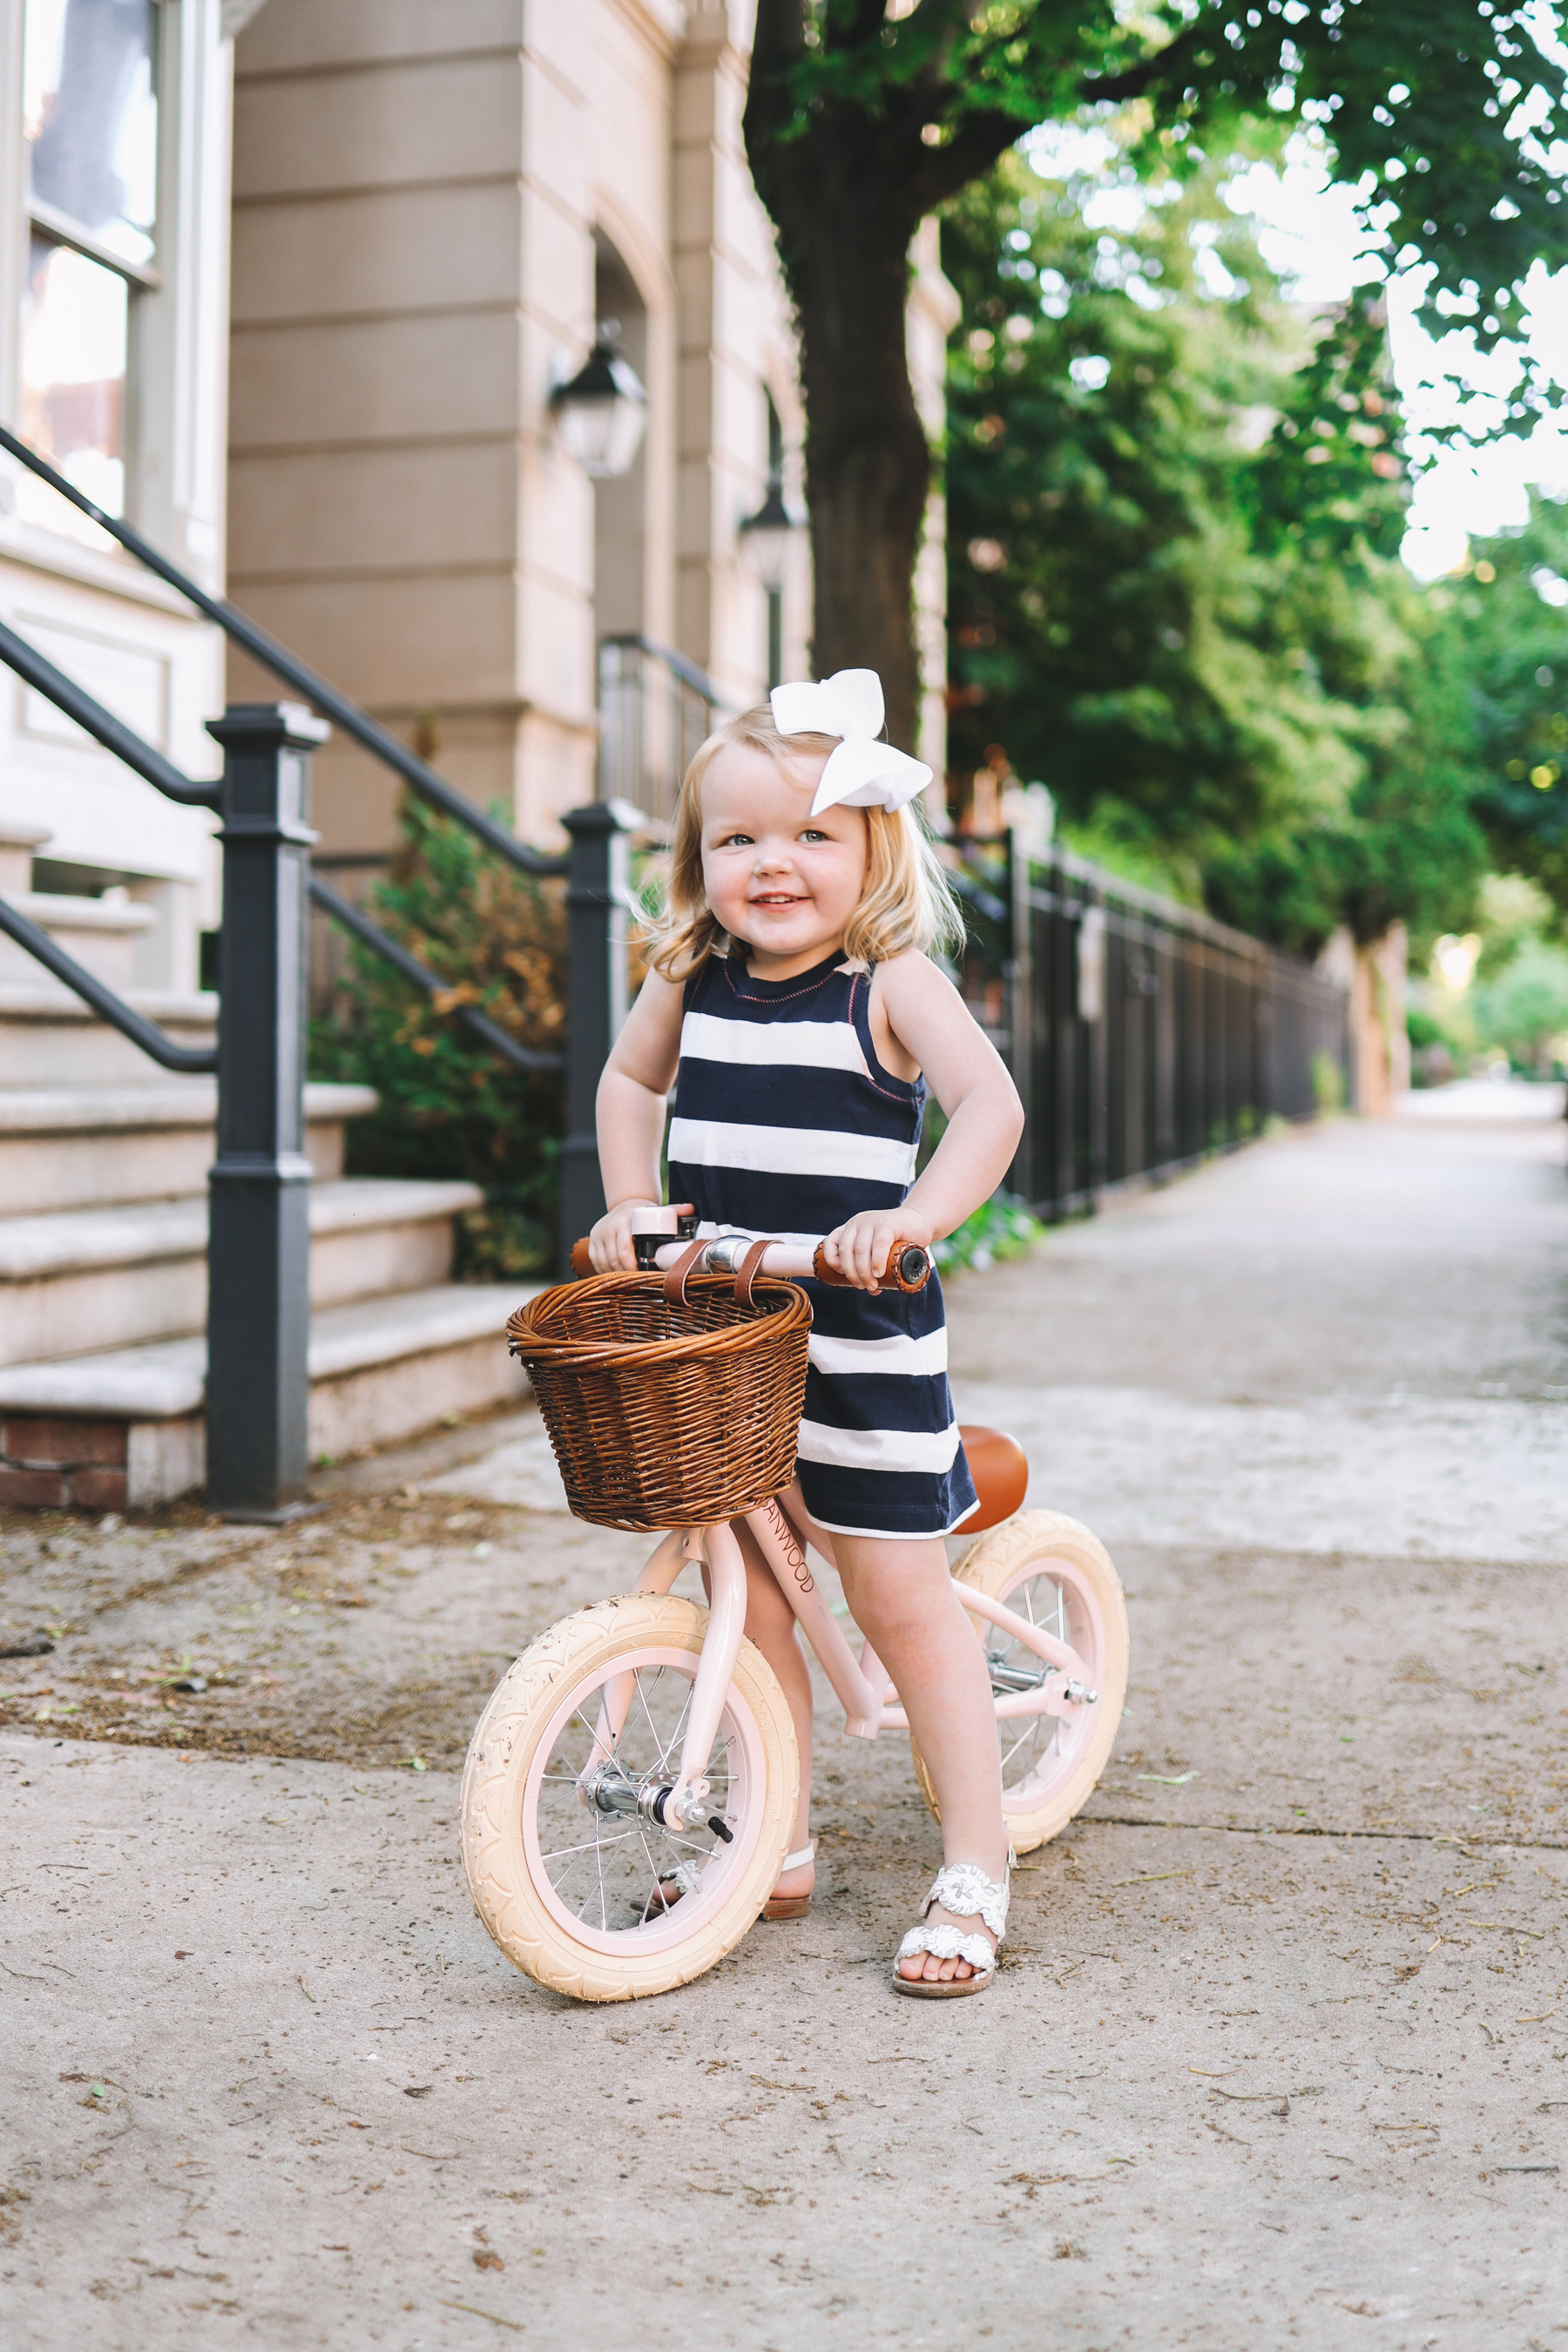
(569, 1893)
(1051, 1570)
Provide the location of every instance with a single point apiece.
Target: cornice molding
(661, 23)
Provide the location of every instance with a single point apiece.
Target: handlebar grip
(907, 1268)
(581, 1261)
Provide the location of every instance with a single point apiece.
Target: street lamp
(768, 537)
(767, 540)
(601, 413)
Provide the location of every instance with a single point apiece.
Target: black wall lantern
(601, 413)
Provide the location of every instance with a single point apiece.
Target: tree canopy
(1174, 510)
(1501, 644)
(865, 115)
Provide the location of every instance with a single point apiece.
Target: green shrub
(450, 1107)
(1328, 1085)
(999, 1229)
(1525, 1009)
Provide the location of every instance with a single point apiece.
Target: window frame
(35, 217)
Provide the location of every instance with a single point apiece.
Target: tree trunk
(847, 183)
(868, 465)
(845, 221)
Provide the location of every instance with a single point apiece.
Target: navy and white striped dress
(786, 1123)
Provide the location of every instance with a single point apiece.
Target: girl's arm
(630, 1116)
(928, 1020)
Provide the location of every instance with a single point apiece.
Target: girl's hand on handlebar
(610, 1242)
(861, 1247)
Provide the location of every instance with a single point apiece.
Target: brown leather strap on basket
(675, 1279)
(747, 1270)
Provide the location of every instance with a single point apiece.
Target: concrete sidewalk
(1280, 2051)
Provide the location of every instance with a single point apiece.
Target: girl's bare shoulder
(912, 1001)
(910, 980)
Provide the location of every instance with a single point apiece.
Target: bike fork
(687, 1802)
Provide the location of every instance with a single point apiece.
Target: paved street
(1280, 2051)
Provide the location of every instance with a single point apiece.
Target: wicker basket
(667, 1413)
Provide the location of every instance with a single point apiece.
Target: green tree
(863, 116)
(450, 1106)
(1502, 647)
(1174, 516)
(1525, 1009)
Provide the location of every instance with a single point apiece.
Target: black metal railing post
(258, 1245)
(598, 895)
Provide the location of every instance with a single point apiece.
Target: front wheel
(1051, 1570)
(571, 1894)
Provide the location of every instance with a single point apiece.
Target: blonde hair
(907, 903)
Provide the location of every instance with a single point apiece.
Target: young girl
(793, 1000)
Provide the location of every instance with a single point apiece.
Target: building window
(90, 132)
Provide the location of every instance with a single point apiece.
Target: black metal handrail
(102, 725)
(258, 1378)
(377, 739)
(655, 708)
(677, 664)
(259, 1247)
(119, 739)
(343, 910)
(196, 1061)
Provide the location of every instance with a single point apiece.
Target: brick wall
(52, 1461)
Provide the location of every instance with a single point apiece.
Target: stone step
(19, 845)
(51, 1038)
(125, 1429)
(116, 1278)
(101, 933)
(89, 1146)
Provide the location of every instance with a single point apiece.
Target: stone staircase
(103, 1164)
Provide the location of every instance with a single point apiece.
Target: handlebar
(906, 1269)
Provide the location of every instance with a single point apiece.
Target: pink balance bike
(643, 1741)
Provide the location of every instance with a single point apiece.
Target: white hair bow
(862, 773)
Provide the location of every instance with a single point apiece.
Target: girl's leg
(904, 1600)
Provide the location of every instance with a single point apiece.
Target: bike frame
(782, 1530)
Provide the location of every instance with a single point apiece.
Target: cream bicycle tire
(538, 1698)
(998, 1563)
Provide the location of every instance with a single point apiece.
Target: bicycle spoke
(653, 1866)
(595, 1742)
(559, 1883)
(589, 1845)
(642, 1702)
(1020, 1742)
(606, 1873)
(672, 1747)
(1041, 1743)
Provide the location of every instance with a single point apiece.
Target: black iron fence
(1141, 1035)
(655, 708)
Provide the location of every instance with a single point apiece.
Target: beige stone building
(436, 205)
(346, 409)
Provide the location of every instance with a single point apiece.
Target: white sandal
(685, 1874)
(792, 1907)
(964, 1887)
